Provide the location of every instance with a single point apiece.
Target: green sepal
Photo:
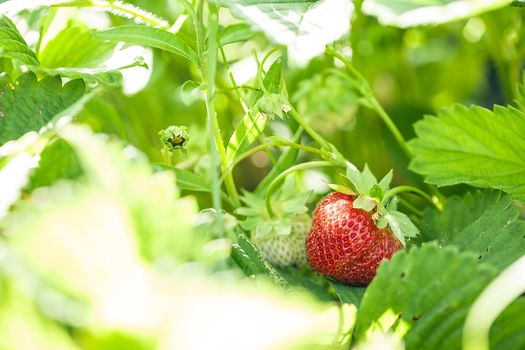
(341, 189)
(362, 181)
(274, 105)
(174, 137)
(401, 225)
(364, 202)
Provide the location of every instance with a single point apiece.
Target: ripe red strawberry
(344, 243)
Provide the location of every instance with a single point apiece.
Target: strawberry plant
(230, 174)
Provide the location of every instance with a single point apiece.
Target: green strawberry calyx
(379, 199)
(287, 205)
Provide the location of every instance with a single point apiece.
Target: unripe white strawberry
(280, 237)
(286, 250)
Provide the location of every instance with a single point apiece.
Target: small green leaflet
(235, 33)
(245, 134)
(187, 180)
(428, 292)
(348, 294)
(475, 146)
(12, 44)
(408, 13)
(28, 104)
(152, 37)
(110, 77)
(75, 46)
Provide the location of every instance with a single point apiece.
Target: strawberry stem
(410, 207)
(365, 89)
(277, 180)
(313, 134)
(397, 190)
(265, 146)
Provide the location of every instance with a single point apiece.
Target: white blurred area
(134, 79)
(91, 239)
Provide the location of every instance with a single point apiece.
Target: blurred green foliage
(107, 238)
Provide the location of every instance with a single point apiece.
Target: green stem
(209, 59)
(391, 126)
(200, 36)
(277, 180)
(365, 89)
(265, 146)
(410, 207)
(397, 190)
(209, 82)
(313, 134)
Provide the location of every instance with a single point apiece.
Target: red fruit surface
(344, 242)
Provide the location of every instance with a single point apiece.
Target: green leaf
(235, 33)
(496, 237)
(248, 257)
(28, 104)
(518, 3)
(507, 330)
(484, 223)
(110, 77)
(75, 46)
(245, 134)
(253, 123)
(253, 263)
(272, 78)
(307, 281)
(15, 171)
(306, 27)
(152, 37)
(57, 161)
(13, 45)
(458, 214)
(153, 205)
(408, 13)
(401, 225)
(348, 294)
(187, 180)
(474, 146)
(428, 292)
